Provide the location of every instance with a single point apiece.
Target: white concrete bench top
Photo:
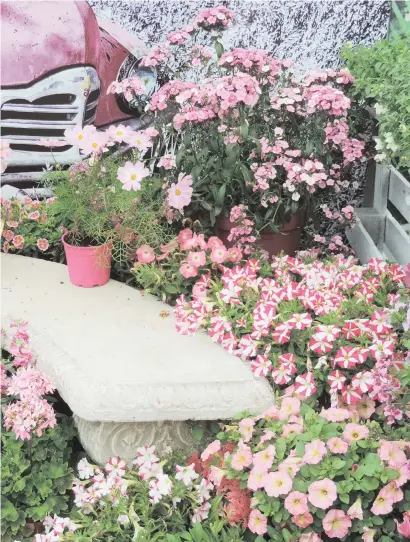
(114, 358)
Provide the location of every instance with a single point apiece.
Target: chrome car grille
(45, 110)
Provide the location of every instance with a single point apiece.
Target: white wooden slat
(387, 254)
(399, 192)
(381, 188)
(397, 240)
(362, 243)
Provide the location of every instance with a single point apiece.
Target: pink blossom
(196, 259)
(296, 503)
(277, 483)
(404, 527)
(42, 244)
(131, 175)
(337, 446)
(246, 428)
(180, 193)
(219, 254)
(336, 524)
(145, 254)
(257, 522)
(242, 457)
(264, 459)
(18, 241)
(188, 270)
(354, 432)
(382, 505)
(211, 449)
(322, 493)
(314, 452)
(167, 161)
(303, 520)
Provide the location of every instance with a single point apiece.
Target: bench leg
(103, 440)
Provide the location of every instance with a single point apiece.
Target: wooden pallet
(383, 226)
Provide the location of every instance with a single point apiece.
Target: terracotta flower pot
(88, 266)
(288, 240)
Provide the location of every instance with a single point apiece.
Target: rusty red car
(57, 61)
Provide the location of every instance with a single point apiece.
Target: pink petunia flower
(382, 505)
(336, 524)
(264, 459)
(256, 476)
(196, 259)
(303, 520)
(211, 449)
(314, 452)
(277, 483)
(296, 503)
(219, 254)
(354, 432)
(337, 446)
(188, 270)
(257, 522)
(246, 428)
(242, 458)
(322, 493)
(42, 244)
(145, 254)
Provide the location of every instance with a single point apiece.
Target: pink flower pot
(88, 266)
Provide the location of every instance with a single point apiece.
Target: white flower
(164, 484)
(380, 157)
(85, 469)
(115, 467)
(123, 519)
(146, 456)
(296, 196)
(201, 513)
(154, 491)
(149, 470)
(186, 474)
(203, 491)
(380, 109)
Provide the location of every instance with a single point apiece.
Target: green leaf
(392, 474)
(8, 511)
(219, 201)
(246, 174)
(219, 48)
(244, 130)
(286, 535)
(198, 433)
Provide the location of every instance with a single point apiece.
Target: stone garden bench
(118, 362)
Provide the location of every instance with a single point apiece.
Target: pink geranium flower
(354, 431)
(336, 524)
(337, 446)
(296, 503)
(277, 483)
(145, 254)
(314, 452)
(322, 493)
(131, 175)
(257, 522)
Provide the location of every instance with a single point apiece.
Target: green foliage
(36, 478)
(382, 79)
(400, 19)
(93, 205)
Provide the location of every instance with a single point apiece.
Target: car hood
(40, 37)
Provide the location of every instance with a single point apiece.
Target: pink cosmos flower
(219, 254)
(246, 428)
(211, 449)
(314, 452)
(167, 161)
(354, 431)
(303, 520)
(257, 522)
(336, 524)
(242, 458)
(337, 446)
(131, 175)
(145, 254)
(120, 133)
(277, 483)
(42, 244)
(322, 493)
(139, 140)
(264, 459)
(296, 503)
(180, 193)
(196, 259)
(188, 270)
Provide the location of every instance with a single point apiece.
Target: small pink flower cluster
(55, 527)
(95, 485)
(27, 412)
(5, 153)
(200, 54)
(290, 97)
(346, 216)
(255, 61)
(242, 234)
(214, 18)
(341, 77)
(326, 98)
(130, 87)
(156, 56)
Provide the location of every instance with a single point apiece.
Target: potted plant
(241, 130)
(104, 222)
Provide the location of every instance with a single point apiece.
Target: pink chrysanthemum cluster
(27, 412)
(156, 56)
(350, 356)
(326, 98)
(341, 77)
(215, 18)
